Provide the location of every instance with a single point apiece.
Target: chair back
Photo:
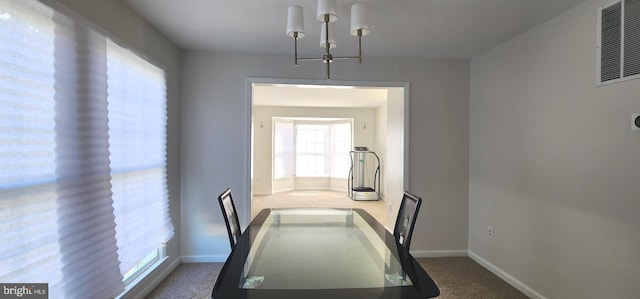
(406, 219)
(230, 216)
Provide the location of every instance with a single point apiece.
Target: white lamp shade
(332, 36)
(327, 7)
(359, 19)
(295, 22)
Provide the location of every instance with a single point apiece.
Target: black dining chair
(406, 219)
(230, 216)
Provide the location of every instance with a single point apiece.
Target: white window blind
(28, 217)
(283, 158)
(137, 134)
(84, 203)
(63, 186)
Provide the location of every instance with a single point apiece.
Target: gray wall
(554, 165)
(127, 28)
(216, 149)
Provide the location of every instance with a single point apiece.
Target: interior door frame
(246, 212)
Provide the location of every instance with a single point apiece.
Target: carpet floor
(457, 277)
(318, 199)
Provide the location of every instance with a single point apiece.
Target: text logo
(24, 290)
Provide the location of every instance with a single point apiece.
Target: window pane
(283, 150)
(311, 144)
(341, 134)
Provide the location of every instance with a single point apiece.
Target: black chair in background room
(230, 217)
(406, 219)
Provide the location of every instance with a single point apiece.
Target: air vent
(619, 42)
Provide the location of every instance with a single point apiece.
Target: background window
(312, 150)
(283, 149)
(317, 149)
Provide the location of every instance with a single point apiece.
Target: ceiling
(293, 95)
(399, 28)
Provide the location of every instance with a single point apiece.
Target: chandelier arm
(295, 45)
(322, 59)
(309, 58)
(345, 57)
(360, 46)
(327, 56)
(328, 70)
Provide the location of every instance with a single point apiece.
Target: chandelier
(327, 16)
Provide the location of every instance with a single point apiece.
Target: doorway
(379, 110)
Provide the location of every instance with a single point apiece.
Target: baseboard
(437, 253)
(506, 277)
(204, 259)
(261, 194)
(282, 190)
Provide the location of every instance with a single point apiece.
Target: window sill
(135, 283)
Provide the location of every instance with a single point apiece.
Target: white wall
(554, 164)
(126, 27)
(381, 143)
(393, 141)
(263, 136)
(216, 147)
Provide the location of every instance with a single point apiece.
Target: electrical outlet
(490, 232)
(635, 122)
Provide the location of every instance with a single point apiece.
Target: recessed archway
(392, 120)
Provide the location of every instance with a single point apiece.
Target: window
(283, 149)
(312, 150)
(82, 148)
(341, 146)
(143, 265)
(137, 147)
(317, 148)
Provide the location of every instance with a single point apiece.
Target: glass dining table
(313, 253)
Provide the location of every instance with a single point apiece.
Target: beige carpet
(188, 281)
(457, 277)
(461, 277)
